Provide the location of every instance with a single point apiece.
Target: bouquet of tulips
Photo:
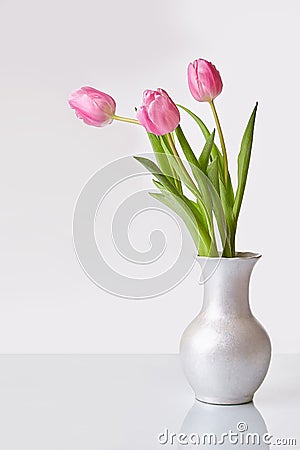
(205, 177)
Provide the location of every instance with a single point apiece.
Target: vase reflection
(227, 427)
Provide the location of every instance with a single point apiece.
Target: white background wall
(50, 48)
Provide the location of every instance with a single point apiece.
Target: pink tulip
(204, 80)
(93, 107)
(158, 113)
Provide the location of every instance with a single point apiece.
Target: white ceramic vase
(225, 351)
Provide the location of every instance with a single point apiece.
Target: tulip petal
(144, 119)
(158, 113)
(92, 106)
(162, 113)
(204, 80)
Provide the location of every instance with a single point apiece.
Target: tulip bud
(93, 107)
(204, 80)
(158, 113)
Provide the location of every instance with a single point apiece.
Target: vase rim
(239, 255)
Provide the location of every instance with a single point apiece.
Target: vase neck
(226, 286)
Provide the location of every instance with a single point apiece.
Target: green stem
(125, 119)
(220, 132)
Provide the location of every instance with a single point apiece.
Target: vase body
(225, 351)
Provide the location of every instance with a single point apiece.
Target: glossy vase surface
(225, 351)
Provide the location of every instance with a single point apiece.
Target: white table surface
(123, 402)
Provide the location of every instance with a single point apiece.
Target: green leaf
(208, 201)
(155, 170)
(243, 163)
(213, 174)
(198, 211)
(194, 207)
(158, 184)
(182, 210)
(229, 188)
(199, 234)
(215, 151)
(152, 167)
(211, 198)
(167, 152)
(229, 217)
(206, 152)
(161, 158)
(176, 164)
(203, 208)
(186, 148)
(195, 166)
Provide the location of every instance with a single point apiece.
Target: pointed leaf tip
(243, 162)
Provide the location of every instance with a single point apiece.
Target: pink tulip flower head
(158, 113)
(204, 80)
(92, 106)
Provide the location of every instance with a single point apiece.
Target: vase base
(215, 401)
